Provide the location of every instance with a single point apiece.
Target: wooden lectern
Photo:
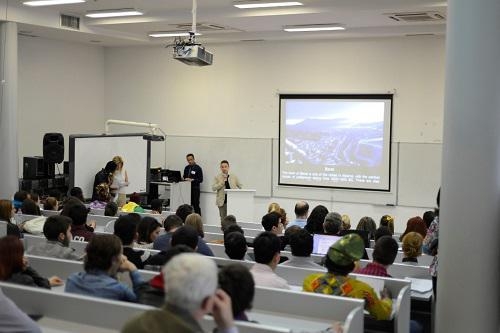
(240, 203)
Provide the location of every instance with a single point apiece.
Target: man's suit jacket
(219, 186)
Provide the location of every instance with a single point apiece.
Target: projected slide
(335, 141)
(89, 154)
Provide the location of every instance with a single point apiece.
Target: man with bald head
(301, 213)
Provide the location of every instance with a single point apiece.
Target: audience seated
(14, 266)
(428, 217)
(301, 243)
(33, 226)
(235, 245)
(332, 223)
(412, 247)
(77, 212)
(57, 231)
(387, 221)
(153, 292)
(315, 220)
(384, 254)
(111, 209)
(171, 223)
(194, 220)
(187, 235)
(234, 228)
(237, 281)
(285, 240)
(366, 223)
(156, 206)
(103, 260)
(191, 281)
(267, 256)
(227, 221)
(301, 214)
(51, 203)
(415, 224)
(382, 231)
(18, 199)
(272, 223)
(340, 261)
(126, 229)
(7, 212)
(346, 222)
(183, 211)
(284, 218)
(76, 192)
(12, 319)
(148, 230)
(273, 207)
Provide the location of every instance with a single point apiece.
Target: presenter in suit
(221, 182)
(194, 174)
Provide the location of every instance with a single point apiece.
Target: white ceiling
(362, 18)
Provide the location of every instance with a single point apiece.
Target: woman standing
(120, 182)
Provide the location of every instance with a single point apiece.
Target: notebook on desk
(321, 243)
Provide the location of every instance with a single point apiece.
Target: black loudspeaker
(35, 167)
(53, 147)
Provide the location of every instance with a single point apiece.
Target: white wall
(237, 96)
(61, 89)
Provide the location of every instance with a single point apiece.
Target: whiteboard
(89, 154)
(419, 174)
(249, 158)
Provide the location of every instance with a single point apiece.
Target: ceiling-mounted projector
(192, 54)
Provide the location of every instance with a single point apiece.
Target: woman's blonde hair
(194, 220)
(346, 222)
(412, 244)
(273, 207)
(118, 160)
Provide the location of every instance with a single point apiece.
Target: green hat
(346, 250)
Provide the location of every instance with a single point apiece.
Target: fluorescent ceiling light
(113, 13)
(50, 2)
(313, 27)
(161, 34)
(249, 5)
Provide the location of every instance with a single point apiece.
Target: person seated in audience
(35, 197)
(234, 228)
(185, 235)
(382, 231)
(284, 218)
(171, 223)
(191, 281)
(332, 224)
(111, 209)
(12, 319)
(126, 229)
(415, 224)
(273, 207)
(235, 245)
(148, 230)
(7, 213)
(14, 266)
(183, 211)
(340, 261)
(76, 192)
(384, 254)
(103, 260)
(227, 221)
(285, 241)
(18, 199)
(237, 281)
(194, 220)
(301, 214)
(153, 292)
(346, 222)
(301, 243)
(366, 223)
(51, 203)
(428, 217)
(77, 212)
(57, 231)
(387, 221)
(156, 206)
(272, 222)
(267, 256)
(102, 197)
(412, 247)
(315, 220)
(33, 226)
